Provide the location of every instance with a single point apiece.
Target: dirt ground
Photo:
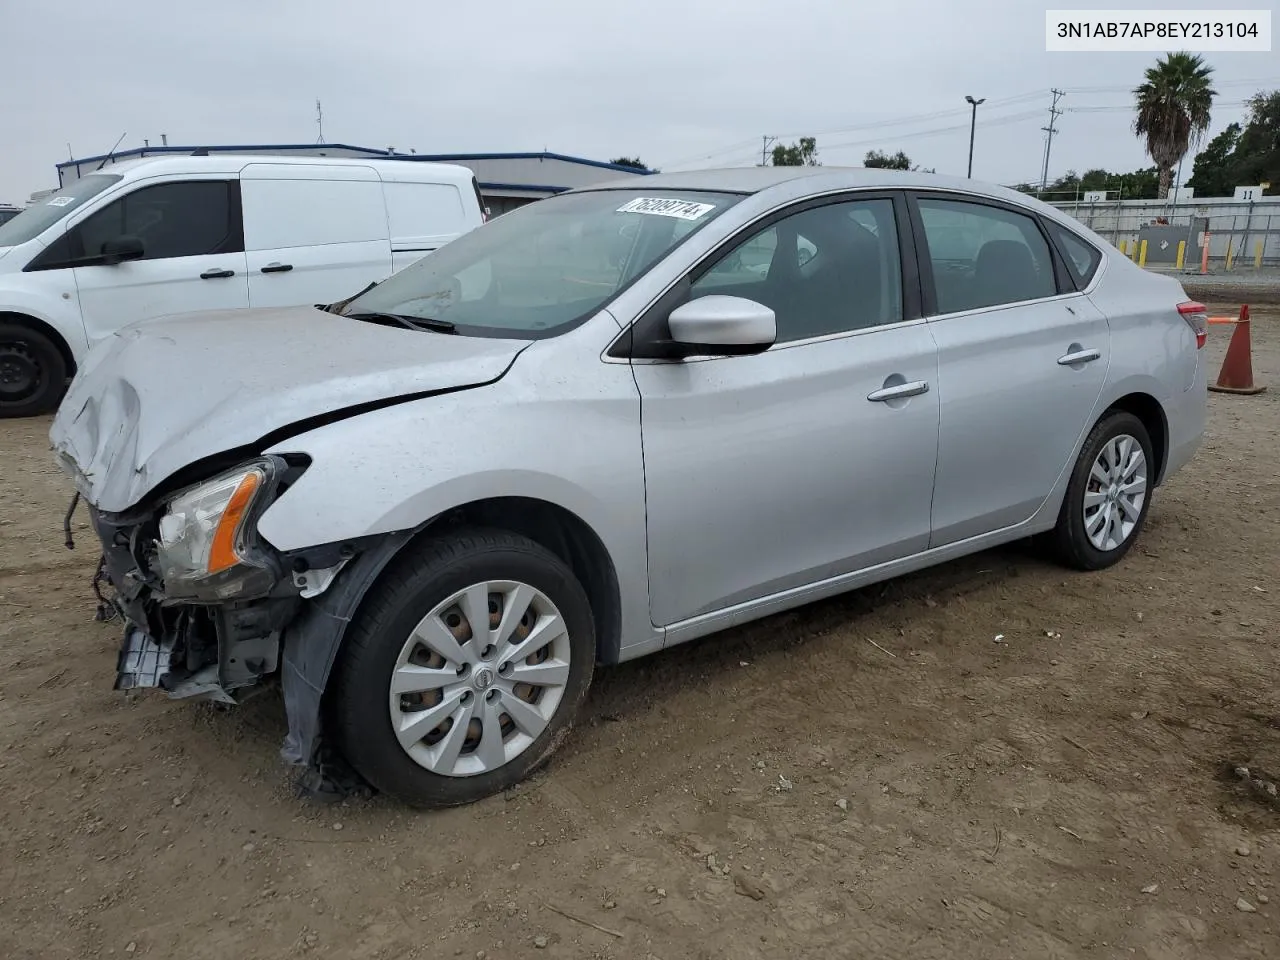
(874, 776)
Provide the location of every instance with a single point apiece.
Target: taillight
(1197, 318)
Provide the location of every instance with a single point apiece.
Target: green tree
(1139, 185)
(884, 161)
(1256, 158)
(1173, 105)
(802, 154)
(634, 162)
(1211, 175)
(897, 161)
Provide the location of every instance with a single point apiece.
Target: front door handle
(277, 268)
(217, 274)
(899, 391)
(1079, 356)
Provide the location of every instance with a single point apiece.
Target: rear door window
(984, 256)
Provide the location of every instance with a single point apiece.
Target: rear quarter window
(1081, 256)
(424, 210)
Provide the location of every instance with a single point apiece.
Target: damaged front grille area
(142, 661)
(189, 650)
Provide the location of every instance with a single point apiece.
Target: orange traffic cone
(1236, 375)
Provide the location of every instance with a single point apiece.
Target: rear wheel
(33, 373)
(464, 670)
(1108, 496)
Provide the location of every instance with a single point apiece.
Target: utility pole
(319, 122)
(973, 124)
(1054, 114)
(765, 143)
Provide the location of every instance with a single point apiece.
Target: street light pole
(973, 124)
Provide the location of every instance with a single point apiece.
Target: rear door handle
(217, 274)
(277, 268)
(899, 391)
(1080, 356)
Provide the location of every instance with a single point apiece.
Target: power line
(869, 125)
(1128, 107)
(918, 134)
(765, 141)
(1054, 114)
(1114, 88)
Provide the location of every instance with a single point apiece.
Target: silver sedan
(605, 424)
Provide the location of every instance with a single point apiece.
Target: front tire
(33, 372)
(464, 670)
(1108, 496)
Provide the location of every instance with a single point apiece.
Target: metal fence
(1242, 234)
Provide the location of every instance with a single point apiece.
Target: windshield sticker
(666, 207)
(61, 201)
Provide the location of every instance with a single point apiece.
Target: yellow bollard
(1142, 254)
(1182, 253)
(1257, 254)
(1124, 247)
(1231, 253)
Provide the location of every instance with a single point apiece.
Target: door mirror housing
(721, 326)
(121, 249)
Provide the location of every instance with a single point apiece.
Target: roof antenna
(111, 152)
(319, 122)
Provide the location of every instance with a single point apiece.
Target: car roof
(758, 179)
(235, 162)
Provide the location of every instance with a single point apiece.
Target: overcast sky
(679, 83)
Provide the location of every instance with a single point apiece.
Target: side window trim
(651, 325)
(1053, 229)
(1063, 283)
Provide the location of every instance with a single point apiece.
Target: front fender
(383, 475)
(60, 313)
(397, 468)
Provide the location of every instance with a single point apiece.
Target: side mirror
(722, 326)
(121, 249)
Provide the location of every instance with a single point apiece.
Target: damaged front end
(212, 611)
(205, 603)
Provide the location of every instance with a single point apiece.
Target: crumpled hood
(158, 395)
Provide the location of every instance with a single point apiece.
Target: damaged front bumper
(220, 651)
(187, 650)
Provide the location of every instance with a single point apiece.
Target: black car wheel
(33, 373)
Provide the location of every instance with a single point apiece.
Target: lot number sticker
(61, 201)
(665, 207)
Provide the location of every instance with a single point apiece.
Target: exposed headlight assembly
(207, 548)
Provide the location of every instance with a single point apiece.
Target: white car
(164, 235)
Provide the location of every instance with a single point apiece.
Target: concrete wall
(1238, 225)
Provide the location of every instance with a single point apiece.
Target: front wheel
(464, 670)
(33, 372)
(1108, 496)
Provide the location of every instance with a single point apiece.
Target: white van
(163, 235)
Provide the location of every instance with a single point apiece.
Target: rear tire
(33, 372)
(498, 701)
(1108, 496)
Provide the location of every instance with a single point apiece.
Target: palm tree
(1173, 110)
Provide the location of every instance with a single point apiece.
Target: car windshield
(539, 270)
(35, 220)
